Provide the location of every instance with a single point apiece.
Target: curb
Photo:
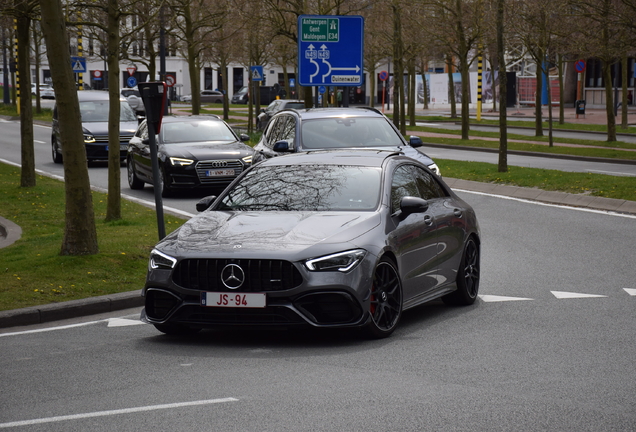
(70, 309)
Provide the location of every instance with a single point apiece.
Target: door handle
(458, 213)
(428, 220)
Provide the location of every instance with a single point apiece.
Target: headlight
(159, 260)
(343, 261)
(88, 138)
(435, 169)
(247, 160)
(180, 162)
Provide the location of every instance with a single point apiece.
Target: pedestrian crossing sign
(78, 64)
(256, 72)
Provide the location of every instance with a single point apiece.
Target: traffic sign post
(579, 66)
(330, 50)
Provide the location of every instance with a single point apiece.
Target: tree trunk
(412, 92)
(538, 120)
(451, 87)
(561, 91)
(465, 98)
(27, 177)
(80, 234)
(113, 208)
(503, 83)
(424, 87)
(609, 101)
(36, 64)
(624, 124)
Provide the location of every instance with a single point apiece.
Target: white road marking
(114, 412)
(630, 291)
(614, 173)
(52, 328)
(494, 298)
(123, 322)
(545, 204)
(571, 295)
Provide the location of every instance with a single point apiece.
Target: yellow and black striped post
(80, 79)
(479, 78)
(17, 72)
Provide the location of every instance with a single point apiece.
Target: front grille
(123, 138)
(213, 165)
(260, 275)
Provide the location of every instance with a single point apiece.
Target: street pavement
(10, 232)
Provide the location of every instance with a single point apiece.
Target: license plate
(233, 300)
(121, 147)
(219, 173)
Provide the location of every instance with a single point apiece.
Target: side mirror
(415, 141)
(205, 203)
(283, 146)
(244, 137)
(410, 205)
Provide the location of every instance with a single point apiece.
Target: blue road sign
(131, 81)
(256, 72)
(322, 89)
(78, 64)
(330, 50)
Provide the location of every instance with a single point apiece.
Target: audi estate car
(94, 108)
(300, 130)
(194, 152)
(324, 239)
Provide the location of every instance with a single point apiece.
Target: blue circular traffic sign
(322, 89)
(131, 81)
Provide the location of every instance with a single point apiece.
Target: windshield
(97, 111)
(196, 131)
(346, 132)
(306, 188)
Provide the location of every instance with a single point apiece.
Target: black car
(324, 239)
(313, 129)
(193, 152)
(274, 107)
(94, 108)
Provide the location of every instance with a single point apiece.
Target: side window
(273, 131)
(288, 129)
(142, 132)
(427, 185)
(403, 184)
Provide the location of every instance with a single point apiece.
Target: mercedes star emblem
(232, 276)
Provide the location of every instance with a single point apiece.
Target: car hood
(203, 151)
(101, 128)
(266, 234)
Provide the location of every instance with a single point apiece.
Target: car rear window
(348, 132)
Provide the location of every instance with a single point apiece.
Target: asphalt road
(548, 346)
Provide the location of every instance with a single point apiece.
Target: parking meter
(154, 97)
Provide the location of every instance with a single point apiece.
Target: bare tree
(80, 234)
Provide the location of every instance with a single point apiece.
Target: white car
(133, 97)
(46, 91)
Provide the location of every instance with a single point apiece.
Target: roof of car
(316, 113)
(361, 157)
(94, 95)
(182, 118)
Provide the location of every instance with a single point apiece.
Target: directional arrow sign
(330, 50)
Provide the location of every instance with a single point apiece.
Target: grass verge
(33, 272)
(577, 183)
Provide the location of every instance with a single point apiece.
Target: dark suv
(94, 106)
(312, 129)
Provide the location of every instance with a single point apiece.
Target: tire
(165, 189)
(467, 277)
(55, 152)
(385, 308)
(176, 330)
(133, 180)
